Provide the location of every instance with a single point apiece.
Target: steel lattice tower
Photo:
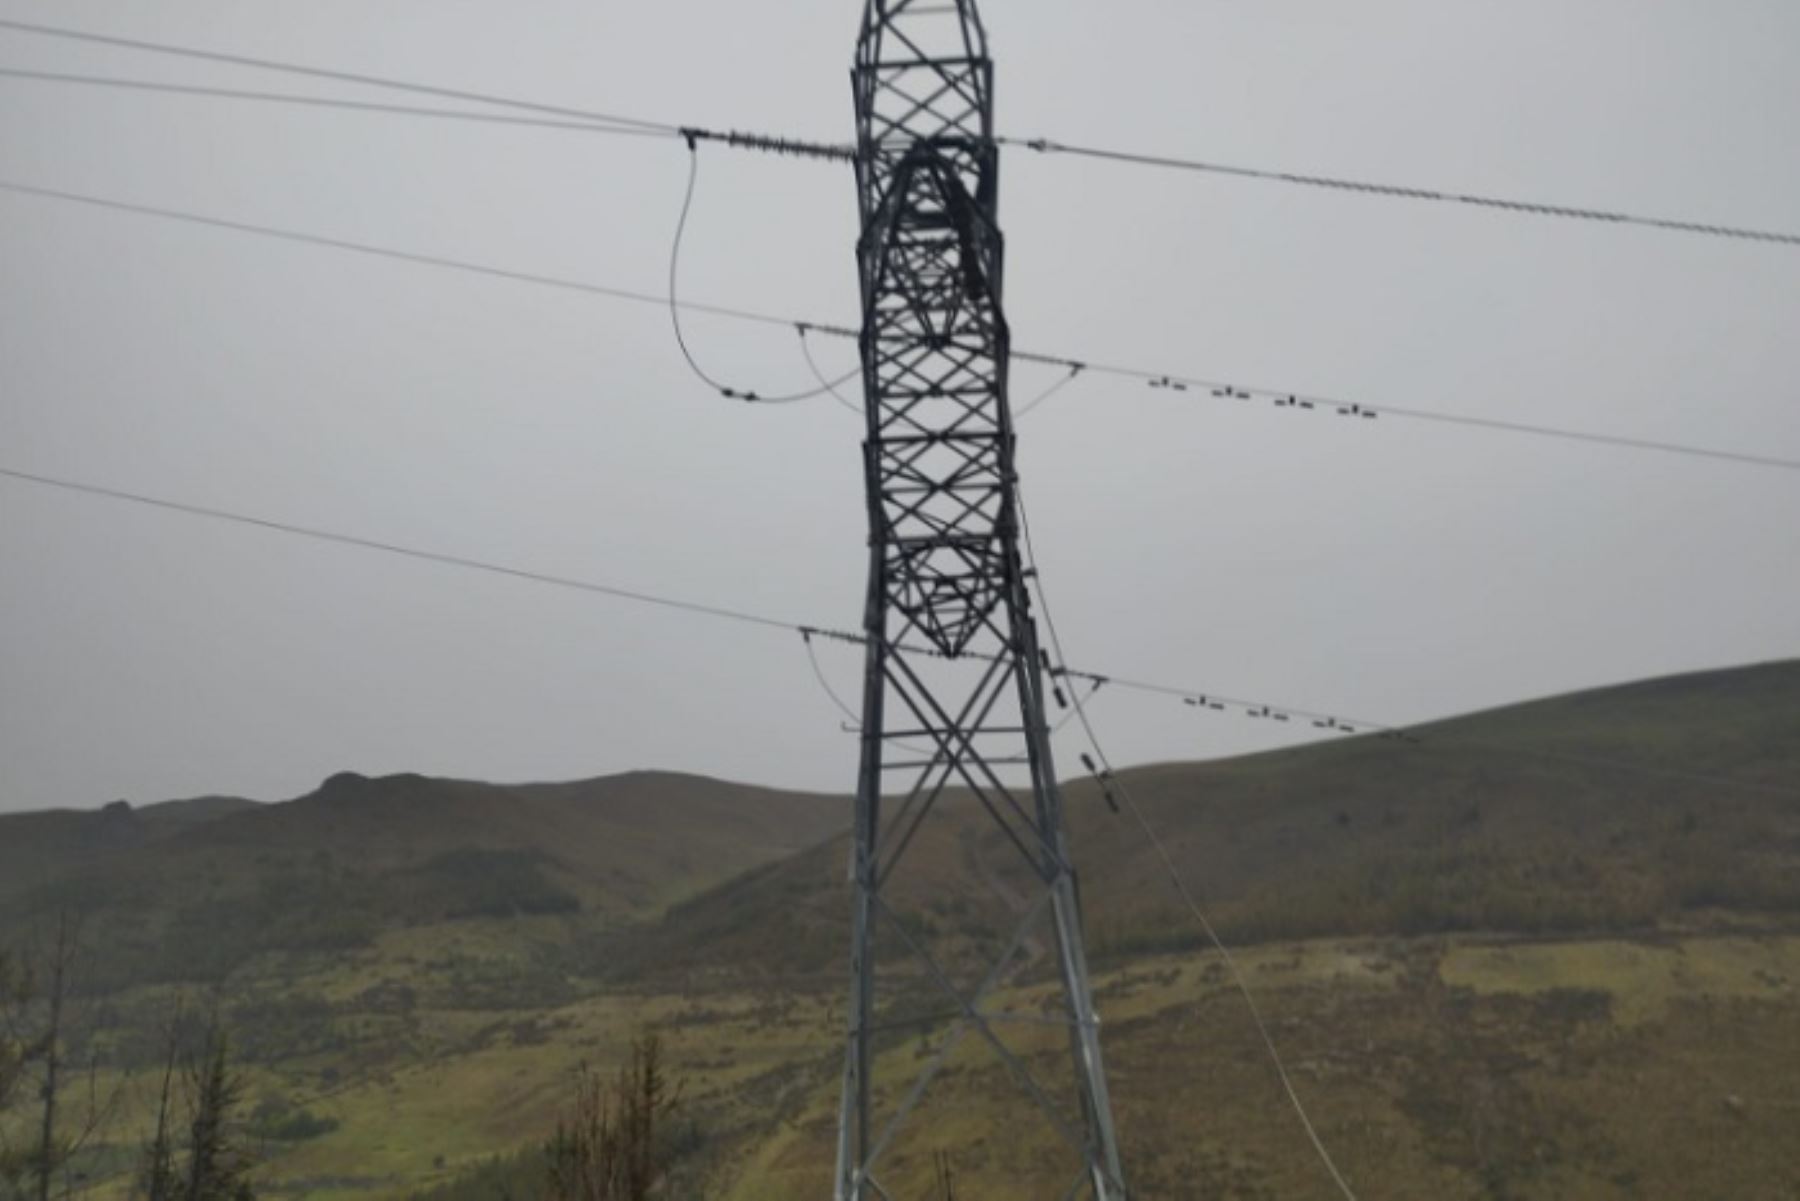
(954, 687)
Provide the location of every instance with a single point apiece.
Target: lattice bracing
(954, 726)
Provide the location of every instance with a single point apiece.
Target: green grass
(1434, 1068)
(1499, 965)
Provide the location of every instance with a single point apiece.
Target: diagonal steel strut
(950, 634)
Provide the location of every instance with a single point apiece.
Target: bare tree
(52, 1151)
(15, 996)
(607, 1148)
(157, 1178)
(14, 993)
(36, 1059)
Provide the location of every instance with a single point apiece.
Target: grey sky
(1382, 569)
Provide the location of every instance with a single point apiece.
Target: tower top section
(923, 76)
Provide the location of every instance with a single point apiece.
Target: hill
(37, 846)
(1617, 810)
(192, 890)
(1551, 950)
(1614, 809)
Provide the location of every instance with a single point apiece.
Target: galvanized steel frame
(946, 579)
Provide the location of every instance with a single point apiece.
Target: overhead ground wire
(331, 102)
(342, 76)
(792, 146)
(1396, 191)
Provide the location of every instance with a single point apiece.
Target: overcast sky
(1391, 570)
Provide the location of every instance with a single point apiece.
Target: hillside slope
(1670, 800)
(36, 846)
(1566, 963)
(190, 891)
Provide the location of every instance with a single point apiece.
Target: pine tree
(216, 1168)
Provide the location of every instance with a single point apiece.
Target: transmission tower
(954, 685)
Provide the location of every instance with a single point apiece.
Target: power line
(405, 256)
(379, 81)
(836, 152)
(1075, 711)
(1281, 715)
(1300, 402)
(785, 147)
(1060, 671)
(1025, 409)
(1213, 702)
(1237, 976)
(852, 722)
(1217, 389)
(1113, 786)
(729, 393)
(831, 387)
(739, 139)
(812, 365)
(394, 548)
(454, 114)
(465, 562)
(1045, 146)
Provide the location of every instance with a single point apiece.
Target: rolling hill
(1551, 950)
(191, 891)
(1621, 809)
